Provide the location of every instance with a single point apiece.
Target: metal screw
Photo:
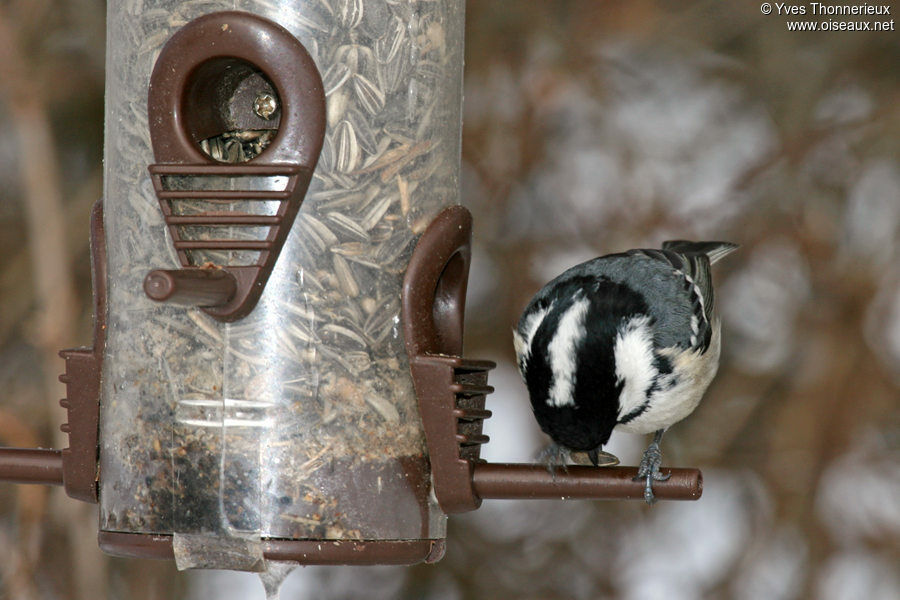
(265, 105)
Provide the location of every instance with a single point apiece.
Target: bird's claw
(554, 457)
(648, 471)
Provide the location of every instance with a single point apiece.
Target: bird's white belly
(668, 406)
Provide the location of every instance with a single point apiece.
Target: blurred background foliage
(589, 128)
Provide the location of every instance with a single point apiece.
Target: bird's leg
(649, 467)
(554, 457)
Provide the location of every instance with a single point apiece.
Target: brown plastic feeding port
(451, 391)
(230, 73)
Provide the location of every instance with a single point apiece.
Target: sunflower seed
(347, 151)
(299, 332)
(286, 345)
(363, 128)
(334, 77)
(337, 357)
(376, 212)
(327, 6)
(335, 109)
(351, 249)
(393, 248)
(391, 45)
(357, 58)
(390, 74)
(345, 333)
(351, 314)
(365, 262)
(305, 314)
(347, 226)
(345, 279)
(349, 13)
(381, 315)
(319, 229)
(371, 98)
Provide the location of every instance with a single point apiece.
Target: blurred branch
(51, 271)
(16, 269)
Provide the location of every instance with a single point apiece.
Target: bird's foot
(555, 457)
(648, 470)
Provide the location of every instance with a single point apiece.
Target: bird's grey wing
(690, 264)
(694, 268)
(696, 258)
(715, 251)
(675, 283)
(651, 275)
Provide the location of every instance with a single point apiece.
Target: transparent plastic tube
(298, 421)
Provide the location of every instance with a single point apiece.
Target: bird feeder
(280, 267)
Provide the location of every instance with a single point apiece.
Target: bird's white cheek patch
(633, 353)
(693, 374)
(562, 351)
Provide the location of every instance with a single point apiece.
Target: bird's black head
(570, 369)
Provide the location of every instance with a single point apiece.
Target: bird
(627, 341)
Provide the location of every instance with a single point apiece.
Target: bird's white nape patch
(635, 370)
(523, 336)
(563, 353)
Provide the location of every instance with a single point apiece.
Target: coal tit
(626, 341)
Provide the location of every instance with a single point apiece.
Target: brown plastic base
(303, 552)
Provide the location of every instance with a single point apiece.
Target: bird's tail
(714, 250)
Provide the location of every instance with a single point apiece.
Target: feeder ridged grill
(452, 392)
(279, 224)
(470, 391)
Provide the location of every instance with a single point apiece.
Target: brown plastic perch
(31, 465)
(507, 481)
